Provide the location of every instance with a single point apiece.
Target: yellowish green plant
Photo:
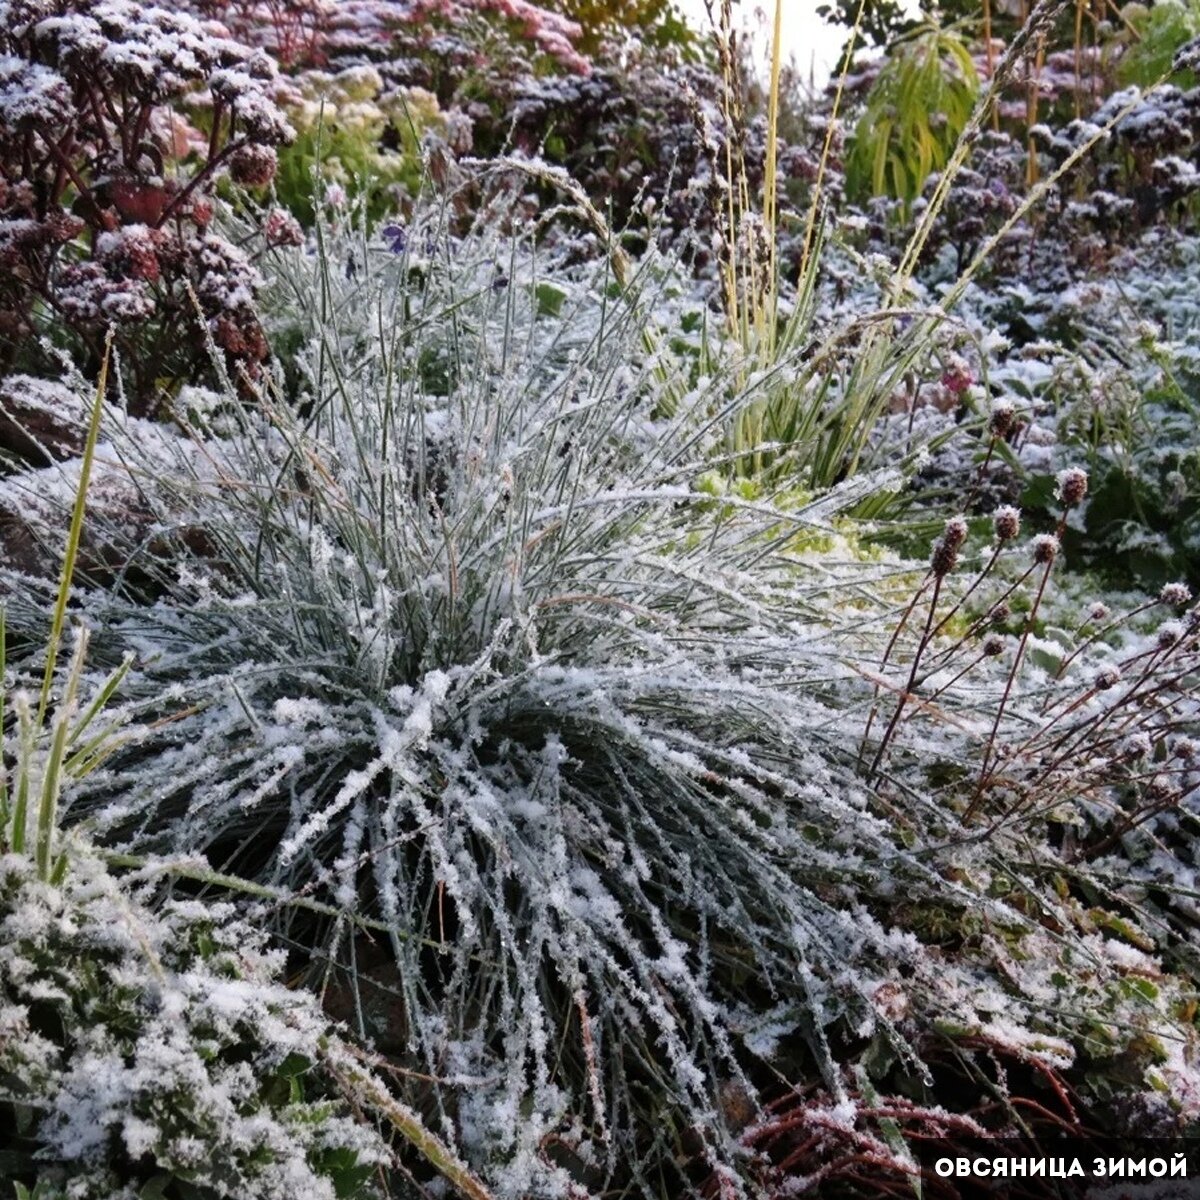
(352, 131)
(795, 416)
(54, 748)
(1155, 35)
(915, 112)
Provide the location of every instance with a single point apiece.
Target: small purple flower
(957, 378)
(396, 237)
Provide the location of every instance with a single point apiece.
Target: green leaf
(549, 300)
(1039, 492)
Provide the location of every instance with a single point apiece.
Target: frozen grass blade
(73, 536)
(363, 1089)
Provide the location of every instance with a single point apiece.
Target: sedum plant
(105, 189)
(520, 35)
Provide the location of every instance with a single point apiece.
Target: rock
(41, 421)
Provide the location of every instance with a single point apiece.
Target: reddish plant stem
(982, 621)
(1012, 674)
(991, 562)
(945, 686)
(887, 654)
(912, 675)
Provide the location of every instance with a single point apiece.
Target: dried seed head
(999, 613)
(1161, 790)
(1107, 677)
(282, 229)
(1003, 418)
(737, 1105)
(1045, 548)
(1175, 595)
(945, 550)
(252, 165)
(955, 533)
(1098, 612)
(1168, 634)
(1072, 486)
(993, 645)
(944, 558)
(1007, 523)
(1186, 749)
(1137, 745)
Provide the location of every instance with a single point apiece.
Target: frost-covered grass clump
(472, 655)
(453, 646)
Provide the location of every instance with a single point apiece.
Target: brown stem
(1069, 742)
(977, 481)
(1012, 674)
(982, 621)
(1099, 633)
(912, 676)
(1138, 817)
(887, 654)
(139, 132)
(101, 124)
(66, 164)
(991, 562)
(200, 177)
(946, 686)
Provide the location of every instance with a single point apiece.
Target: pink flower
(282, 229)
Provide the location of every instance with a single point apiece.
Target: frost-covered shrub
(648, 137)
(144, 1040)
(1142, 520)
(506, 35)
(1100, 368)
(374, 82)
(147, 1042)
(524, 726)
(1142, 173)
(472, 652)
(105, 207)
(1138, 167)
